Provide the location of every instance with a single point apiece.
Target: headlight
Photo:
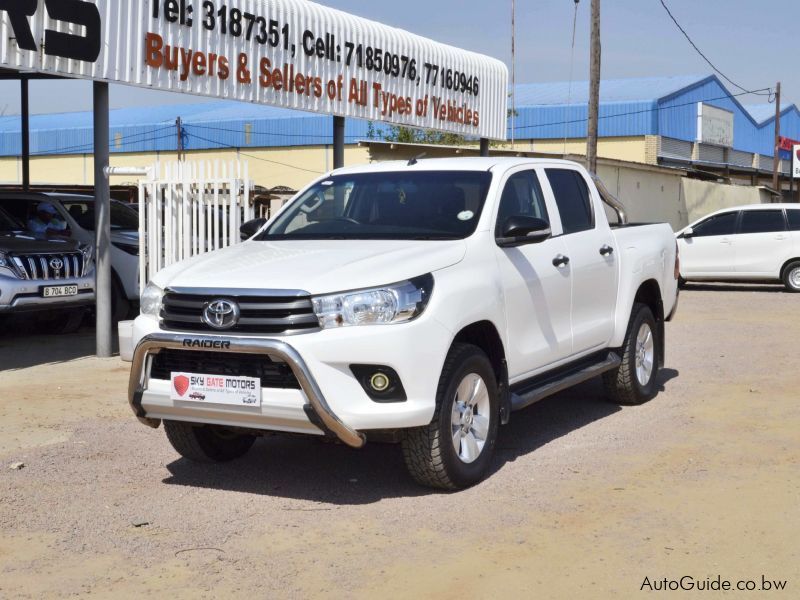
(395, 303)
(87, 250)
(150, 302)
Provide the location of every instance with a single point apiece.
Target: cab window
(522, 197)
(762, 221)
(724, 224)
(572, 198)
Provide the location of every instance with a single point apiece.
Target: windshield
(123, 218)
(9, 223)
(393, 205)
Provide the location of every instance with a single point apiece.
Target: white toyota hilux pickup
(418, 302)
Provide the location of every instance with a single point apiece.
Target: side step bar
(525, 394)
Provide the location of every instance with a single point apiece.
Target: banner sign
(796, 162)
(289, 53)
(786, 144)
(714, 125)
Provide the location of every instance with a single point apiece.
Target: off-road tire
(789, 273)
(66, 322)
(681, 283)
(621, 384)
(428, 451)
(207, 444)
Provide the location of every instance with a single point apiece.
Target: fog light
(379, 382)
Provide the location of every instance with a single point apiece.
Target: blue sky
(750, 41)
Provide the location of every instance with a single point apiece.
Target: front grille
(272, 315)
(273, 374)
(43, 266)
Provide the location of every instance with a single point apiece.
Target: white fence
(194, 208)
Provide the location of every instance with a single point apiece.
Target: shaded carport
(102, 193)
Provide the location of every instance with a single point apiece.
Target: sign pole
(102, 215)
(26, 134)
(338, 142)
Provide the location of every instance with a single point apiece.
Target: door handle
(560, 261)
(606, 250)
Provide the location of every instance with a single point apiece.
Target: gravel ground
(586, 498)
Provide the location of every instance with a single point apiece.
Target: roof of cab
(466, 163)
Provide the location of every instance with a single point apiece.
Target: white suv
(759, 242)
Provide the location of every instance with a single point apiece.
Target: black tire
(791, 277)
(207, 443)
(120, 305)
(681, 283)
(68, 321)
(429, 452)
(622, 384)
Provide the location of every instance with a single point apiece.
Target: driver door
(710, 251)
(537, 293)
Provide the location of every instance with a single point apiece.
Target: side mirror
(250, 228)
(688, 233)
(518, 231)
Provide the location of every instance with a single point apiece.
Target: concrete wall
(270, 167)
(648, 194)
(633, 149)
(703, 197)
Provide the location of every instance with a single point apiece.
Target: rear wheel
(207, 443)
(791, 277)
(634, 381)
(455, 450)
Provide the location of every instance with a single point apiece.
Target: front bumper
(317, 410)
(331, 400)
(25, 295)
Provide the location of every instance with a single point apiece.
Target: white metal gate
(194, 208)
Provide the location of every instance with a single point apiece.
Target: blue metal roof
(664, 106)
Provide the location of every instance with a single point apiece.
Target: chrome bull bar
(318, 411)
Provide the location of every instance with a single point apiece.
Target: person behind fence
(47, 221)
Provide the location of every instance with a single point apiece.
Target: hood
(317, 267)
(125, 236)
(19, 242)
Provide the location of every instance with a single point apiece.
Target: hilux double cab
(420, 302)
(51, 276)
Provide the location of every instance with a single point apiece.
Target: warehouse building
(693, 124)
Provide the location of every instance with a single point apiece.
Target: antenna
(416, 158)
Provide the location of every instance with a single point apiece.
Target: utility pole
(513, 71)
(776, 161)
(594, 89)
(179, 127)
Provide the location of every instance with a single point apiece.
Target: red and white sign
(215, 389)
(796, 162)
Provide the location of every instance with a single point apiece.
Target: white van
(758, 242)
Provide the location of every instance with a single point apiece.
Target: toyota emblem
(56, 264)
(221, 314)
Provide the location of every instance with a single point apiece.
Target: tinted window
(723, 224)
(522, 196)
(572, 198)
(122, 217)
(9, 223)
(402, 205)
(794, 219)
(762, 221)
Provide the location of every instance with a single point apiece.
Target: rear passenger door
(592, 259)
(762, 243)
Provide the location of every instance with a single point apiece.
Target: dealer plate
(215, 389)
(59, 291)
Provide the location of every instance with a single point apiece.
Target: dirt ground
(586, 500)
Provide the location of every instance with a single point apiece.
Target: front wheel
(791, 277)
(634, 381)
(207, 443)
(455, 450)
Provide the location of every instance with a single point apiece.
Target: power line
(638, 112)
(90, 145)
(705, 58)
(269, 133)
(226, 146)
